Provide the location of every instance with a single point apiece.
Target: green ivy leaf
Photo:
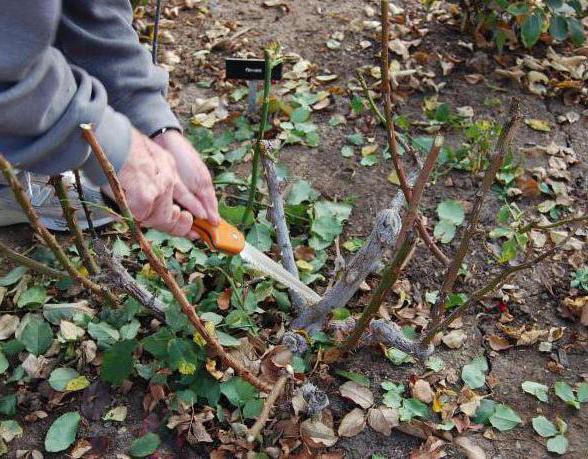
(301, 191)
(451, 210)
(60, 377)
(583, 392)
(564, 391)
(557, 444)
(356, 377)
(347, 151)
(8, 405)
(484, 412)
(411, 407)
(355, 139)
(33, 296)
(544, 426)
(182, 356)
(238, 391)
(120, 249)
(444, 231)
(474, 373)
(117, 363)
(300, 115)
(504, 418)
(576, 30)
(434, 363)
(156, 344)
(62, 432)
(104, 334)
(3, 363)
(398, 357)
(145, 445)
(260, 236)
(9, 430)
(531, 29)
(536, 389)
(558, 28)
(252, 408)
(13, 276)
(36, 335)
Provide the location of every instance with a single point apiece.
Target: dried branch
(72, 223)
(502, 146)
(47, 237)
(389, 277)
(391, 134)
(30, 263)
(496, 282)
(116, 275)
(277, 389)
(278, 217)
(566, 221)
(267, 82)
(157, 265)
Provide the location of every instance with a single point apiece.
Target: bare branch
(30, 263)
(391, 134)
(278, 217)
(188, 309)
(491, 286)
(502, 146)
(47, 237)
(267, 407)
(116, 274)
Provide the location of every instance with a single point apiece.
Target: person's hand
(150, 181)
(196, 191)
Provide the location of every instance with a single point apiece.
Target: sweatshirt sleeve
(98, 36)
(44, 99)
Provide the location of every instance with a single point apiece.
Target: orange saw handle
(224, 237)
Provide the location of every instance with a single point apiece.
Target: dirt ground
(304, 30)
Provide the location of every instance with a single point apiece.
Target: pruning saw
(227, 239)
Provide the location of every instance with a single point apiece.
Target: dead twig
(502, 145)
(47, 237)
(82, 197)
(116, 275)
(391, 135)
(277, 389)
(72, 224)
(30, 263)
(278, 218)
(187, 308)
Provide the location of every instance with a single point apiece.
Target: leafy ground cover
(509, 378)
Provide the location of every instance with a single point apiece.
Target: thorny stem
(403, 247)
(502, 146)
(389, 277)
(72, 224)
(567, 221)
(82, 197)
(267, 82)
(47, 237)
(495, 283)
(30, 263)
(155, 42)
(391, 133)
(188, 309)
(267, 406)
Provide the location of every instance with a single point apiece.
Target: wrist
(162, 131)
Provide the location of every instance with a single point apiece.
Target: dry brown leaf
(421, 390)
(316, 434)
(498, 343)
(357, 393)
(382, 419)
(224, 300)
(471, 450)
(352, 423)
(81, 447)
(454, 339)
(8, 325)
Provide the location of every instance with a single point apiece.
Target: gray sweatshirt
(67, 62)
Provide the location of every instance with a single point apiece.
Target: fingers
(189, 201)
(208, 200)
